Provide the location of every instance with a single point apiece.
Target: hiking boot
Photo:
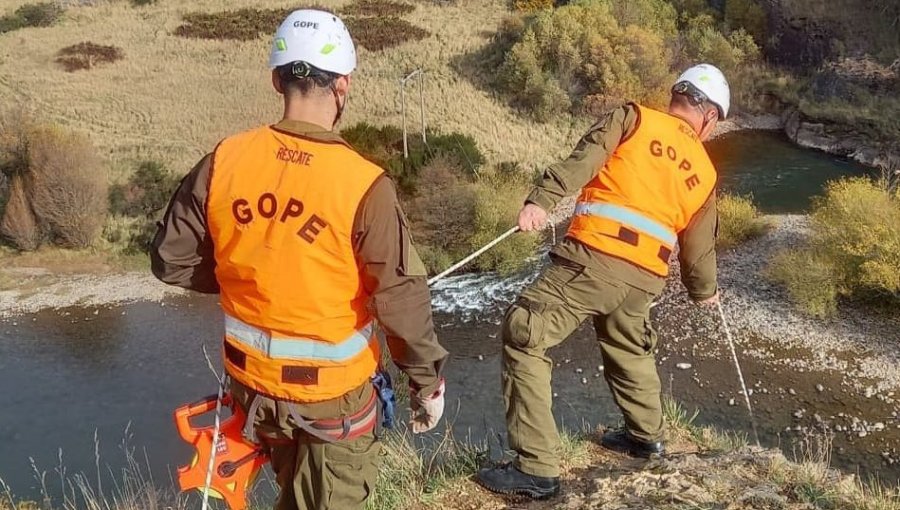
(623, 442)
(507, 479)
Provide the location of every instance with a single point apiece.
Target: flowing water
(80, 382)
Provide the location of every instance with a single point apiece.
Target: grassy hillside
(173, 98)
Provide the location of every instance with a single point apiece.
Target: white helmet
(711, 82)
(316, 37)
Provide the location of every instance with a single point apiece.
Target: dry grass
(174, 98)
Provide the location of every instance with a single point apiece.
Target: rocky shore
(38, 290)
(861, 344)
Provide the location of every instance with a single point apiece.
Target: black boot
(623, 442)
(507, 479)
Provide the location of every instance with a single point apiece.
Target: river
(116, 373)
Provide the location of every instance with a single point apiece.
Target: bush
(379, 8)
(749, 16)
(68, 187)
(18, 225)
(499, 194)
(442, 212)
(42, 14)
(242, 25)
(146, 193)
(809, 278)
(378, 144)
(86, 55)
(532, 5)
(375, 34)
(854, 242)
(582, 54)
(138, 203)
(739, 221)
(138, 3)
(384, 146)
(703, 42)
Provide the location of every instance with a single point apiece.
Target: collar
(309, 130)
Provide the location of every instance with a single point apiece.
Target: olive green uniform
(314, 475)
(581, 284)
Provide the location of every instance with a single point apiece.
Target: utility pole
(403, 81)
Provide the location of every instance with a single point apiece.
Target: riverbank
(34, 289)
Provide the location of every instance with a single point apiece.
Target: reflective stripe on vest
(298, 348)
(629, 218)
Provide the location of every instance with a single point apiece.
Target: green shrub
(582, 53)
(749, 16)
(86, 55)
(532, 5)
(42, 14)
(739, 221)
(857, 224)
(809, 279)
(145, 193)
(378, 144)
(690, 9)
(142, 200)
(853, 248)
(703, 42)
(376, 34)
(379, 8)
(138, 3)
(384, 146)
(499, 194)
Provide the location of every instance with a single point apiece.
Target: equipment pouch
(385, 390)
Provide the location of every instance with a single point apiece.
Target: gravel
(85, 290)
(861, 344)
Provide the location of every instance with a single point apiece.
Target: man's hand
(427, 412)
(710, 301)
(531, 218)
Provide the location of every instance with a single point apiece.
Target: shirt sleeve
(697, 252)
(568, 177)
(182, 252)
(395, 277)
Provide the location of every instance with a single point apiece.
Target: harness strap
(250, 425)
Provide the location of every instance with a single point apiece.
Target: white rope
(740, 373)
(216, 428)
(473, 256)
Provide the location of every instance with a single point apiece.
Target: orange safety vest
(647, 192)
(281, 210)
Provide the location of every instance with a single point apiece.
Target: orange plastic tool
(237, 462)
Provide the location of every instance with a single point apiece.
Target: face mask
(338, 105)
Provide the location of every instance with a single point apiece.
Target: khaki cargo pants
(548, 312)
(312, 474)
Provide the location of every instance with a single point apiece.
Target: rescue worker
(646, 185)
(308, 247)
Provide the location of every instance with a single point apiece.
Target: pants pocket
(523, 326)
(636, 311)
(350, 472)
